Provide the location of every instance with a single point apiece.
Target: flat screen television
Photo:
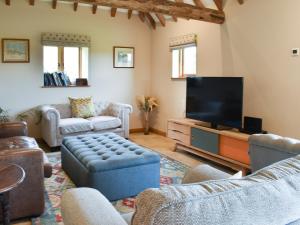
(217, 100)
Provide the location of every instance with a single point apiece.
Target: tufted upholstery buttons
(105, 157)
(138, 152)
(98, 152)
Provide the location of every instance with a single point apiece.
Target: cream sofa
(268, 196)
(57, 121)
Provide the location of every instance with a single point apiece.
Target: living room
(257, 41)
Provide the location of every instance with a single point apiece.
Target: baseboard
(136, 130)
(159, 132)
(153, 130)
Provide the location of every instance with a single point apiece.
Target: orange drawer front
(234, 149)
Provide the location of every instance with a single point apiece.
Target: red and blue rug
(171, 172)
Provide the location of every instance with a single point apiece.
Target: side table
(11, 175)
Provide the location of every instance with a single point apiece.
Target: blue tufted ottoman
(115, 166)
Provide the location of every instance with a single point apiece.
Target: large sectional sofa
(269, 196)
(57, 121)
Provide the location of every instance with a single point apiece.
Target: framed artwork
(123, 57)
(15, 51)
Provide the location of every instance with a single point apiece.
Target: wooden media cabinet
(226, 147)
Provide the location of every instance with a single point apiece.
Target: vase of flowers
(147, 104)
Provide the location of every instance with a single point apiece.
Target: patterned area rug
(171, 172)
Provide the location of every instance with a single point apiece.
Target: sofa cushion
(74, 125)
(104, 122)
(82, 107)
(269, 196)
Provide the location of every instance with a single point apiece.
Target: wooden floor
(155, 142)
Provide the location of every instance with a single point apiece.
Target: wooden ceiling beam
(199, 3)
(142, 16)
(31, 2)
(75, 6)
(113, 12)
(178, 9)
(174, 18)
(54, 4)
(241, 1)
(7, 2)
(151, 20)
(94, 8)
(129, 13)
(161, 19)
(219, 4)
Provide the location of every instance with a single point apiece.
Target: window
(184, 61)
(73, 61)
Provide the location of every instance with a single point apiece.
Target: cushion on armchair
(74, 125)
(105, 122)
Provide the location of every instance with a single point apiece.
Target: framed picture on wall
(15, 50)
(123, 57)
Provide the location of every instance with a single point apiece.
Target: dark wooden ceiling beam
(174, 18)
(142, 16)
(199, 3)
(161, 19)
(54, 4)
(151, 20)
(75, 6)
(241, 1)
(94, 8)
(113, 12)
(129, 13)
(31, 2)
(167, 7)
(219, 4)
(7, 2)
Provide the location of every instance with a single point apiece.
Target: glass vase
(146, 123)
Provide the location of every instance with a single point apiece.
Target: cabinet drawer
(205, 140)
(234, 149)
(179, 127)
(180, 137)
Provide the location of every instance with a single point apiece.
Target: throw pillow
(82, 107)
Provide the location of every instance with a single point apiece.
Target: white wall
(171, 93)
(255, 42)
(20, 84)
(257, 39)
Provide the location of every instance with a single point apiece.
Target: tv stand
(211, 125)
(226, 147)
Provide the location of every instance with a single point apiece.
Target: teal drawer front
(205, 140)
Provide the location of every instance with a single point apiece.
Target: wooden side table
(11, 175)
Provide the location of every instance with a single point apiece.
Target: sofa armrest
(123, 111)
(50, 125)
(87, 206)
(203, 172)
(11, 129)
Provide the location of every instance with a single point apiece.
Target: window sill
(70, 86)
(178, 78)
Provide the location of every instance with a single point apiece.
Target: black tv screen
(217, 100)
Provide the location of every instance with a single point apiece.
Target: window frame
(181, 74)
(60, 63)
